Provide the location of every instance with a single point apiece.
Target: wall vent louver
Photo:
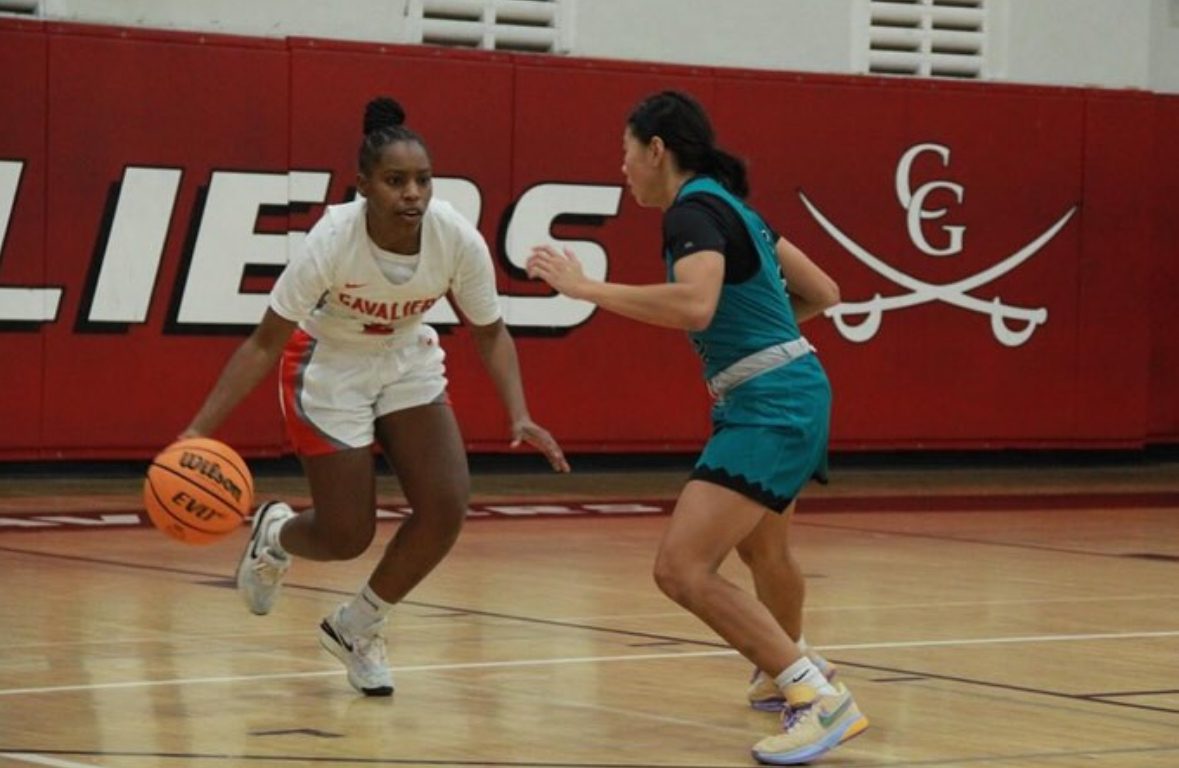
(927, 38)
(502, 25)
(21, 7)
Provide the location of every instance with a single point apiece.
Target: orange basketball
(198, 490)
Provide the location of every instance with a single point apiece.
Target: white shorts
(332, 393)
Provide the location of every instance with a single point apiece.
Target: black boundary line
(1090, 698)
(670, 639)
(908, 503)
(686, 641)
(482, 512)
(1082, 697)
(965, 540)
(1116, 694)
(221, 578)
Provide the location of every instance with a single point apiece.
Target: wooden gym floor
(992, 616)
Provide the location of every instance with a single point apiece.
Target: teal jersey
(750, 315)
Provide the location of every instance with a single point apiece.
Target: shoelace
(792, 717)
(268, 568)
(371, 648)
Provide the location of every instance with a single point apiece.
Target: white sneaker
(812, 724)
(363, 654)
(260, 572)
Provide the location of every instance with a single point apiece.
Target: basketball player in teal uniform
(739, 290)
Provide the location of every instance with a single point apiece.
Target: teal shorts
(770, 435)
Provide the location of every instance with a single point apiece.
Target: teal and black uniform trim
(770, 432)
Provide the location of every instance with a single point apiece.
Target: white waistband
(420, 335)
(758, 363)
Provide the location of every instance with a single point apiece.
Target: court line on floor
(963, 539)
(883, 605)
(973, 681)
(571, 622)
(586, 505)
(408, 626)
(335, 672)
(865, 762)
(219, 578)
(519, 663)
(53, 762)
(352, 760)
(468, 611)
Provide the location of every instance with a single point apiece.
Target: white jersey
(336, 291)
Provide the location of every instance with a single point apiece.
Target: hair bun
(382, 112)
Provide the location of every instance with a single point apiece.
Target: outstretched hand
(559, 268)
(528, 431)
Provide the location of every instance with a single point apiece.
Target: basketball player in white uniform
(358, 365)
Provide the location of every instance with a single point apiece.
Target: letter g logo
(914, 202)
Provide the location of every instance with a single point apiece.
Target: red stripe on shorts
(308, 439)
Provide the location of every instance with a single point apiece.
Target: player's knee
(445, 530)
(446, 514)
(673, 579)
(346, 543)
(762, 554)
(349, 547)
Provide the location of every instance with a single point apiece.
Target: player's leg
(707, 523)
(780, 585)
(338, 526)
(326, 396)
(425, 448)
(777, 577)
(745, 472)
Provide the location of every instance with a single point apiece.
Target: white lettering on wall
(22, 305)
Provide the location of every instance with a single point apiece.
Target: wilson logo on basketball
(211, 470)
(189, 495)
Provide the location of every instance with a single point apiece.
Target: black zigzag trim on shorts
(743, 486)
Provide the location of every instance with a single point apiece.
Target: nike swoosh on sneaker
(256, 534)
(343, 644)
(826, 719)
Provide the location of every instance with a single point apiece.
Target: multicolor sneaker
(363, 654)
(764, 694)
(813, 724)
(260, 572)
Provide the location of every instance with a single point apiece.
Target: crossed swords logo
(846, 315)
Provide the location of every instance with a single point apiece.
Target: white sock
(364, 610)
(805, 672)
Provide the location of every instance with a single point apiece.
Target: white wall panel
(1104, 43)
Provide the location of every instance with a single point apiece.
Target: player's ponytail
(382, 112)
(384, 124)
(686, 131)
